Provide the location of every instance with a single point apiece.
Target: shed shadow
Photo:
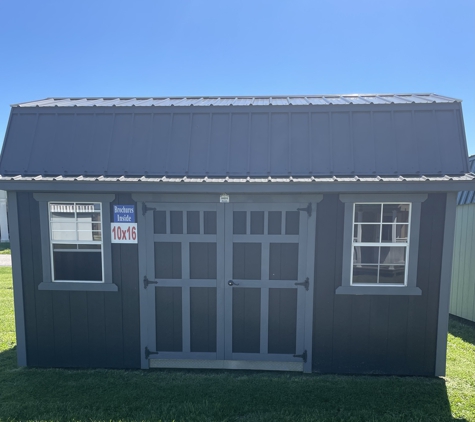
(462, 328)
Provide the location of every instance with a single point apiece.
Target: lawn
(93, 395)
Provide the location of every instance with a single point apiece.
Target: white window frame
(46, 242)
(380, 243)
(410, 285)
(76, 242)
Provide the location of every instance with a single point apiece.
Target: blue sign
(124, 213)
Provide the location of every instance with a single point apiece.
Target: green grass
(5, 248)
(104, 395)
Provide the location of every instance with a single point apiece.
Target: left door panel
(183, 287)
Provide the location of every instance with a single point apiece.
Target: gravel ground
(5, 260)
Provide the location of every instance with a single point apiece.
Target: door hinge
(149, 352)
(303, 356)
(307, 209)
(145, 209)
(305, 283)
(146, 282)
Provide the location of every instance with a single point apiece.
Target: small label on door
(224, 198)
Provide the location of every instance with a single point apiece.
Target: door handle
(232, 283)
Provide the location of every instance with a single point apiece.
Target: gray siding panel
(73, 328)
(288, 140)
(376, 334)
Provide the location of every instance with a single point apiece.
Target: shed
(462, 298)
(296, 233)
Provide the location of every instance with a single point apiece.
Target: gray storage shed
(462, 298)
(305, 233)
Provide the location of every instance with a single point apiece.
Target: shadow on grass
(462, 328)
(166, 395)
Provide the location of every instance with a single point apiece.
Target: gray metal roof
(468, 197)
(278, 100)
(366, 139)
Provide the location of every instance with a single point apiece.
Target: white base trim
(226, 364)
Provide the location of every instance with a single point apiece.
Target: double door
(227, 285)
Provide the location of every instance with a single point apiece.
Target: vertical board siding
(376, 334)
(462, 299)
(78, 329)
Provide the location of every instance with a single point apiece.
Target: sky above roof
(151, 48)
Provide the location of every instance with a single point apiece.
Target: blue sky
(186, 48)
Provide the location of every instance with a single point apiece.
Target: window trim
(410, 286)
(71, 285)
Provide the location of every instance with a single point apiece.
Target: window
(76, 241)
(380, 245)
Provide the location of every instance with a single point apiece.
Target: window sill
(78, 286)
(379, 290)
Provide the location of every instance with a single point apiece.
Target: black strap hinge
(303, 356)
(307, 209)
(145, 209)
(305, 283)
(146, 282)
(149, 352)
